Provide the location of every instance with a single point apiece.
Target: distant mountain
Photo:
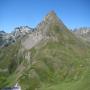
(10, 38)
(6, 39)
(21, 31)
(2, 33)
(48, 57)
(83, 33)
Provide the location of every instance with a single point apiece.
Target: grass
(8, 62)
(81, 84)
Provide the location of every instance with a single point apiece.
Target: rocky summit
(47, 57)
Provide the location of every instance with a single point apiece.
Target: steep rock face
(50, 19)
(46, 30)
(32, 40)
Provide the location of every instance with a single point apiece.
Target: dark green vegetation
(60, 63)
(8, 62)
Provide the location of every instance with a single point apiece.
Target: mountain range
(47, 57)
(83, 32)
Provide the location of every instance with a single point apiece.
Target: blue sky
(13, 13)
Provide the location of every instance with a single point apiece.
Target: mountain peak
(52, 13)
(50, 16)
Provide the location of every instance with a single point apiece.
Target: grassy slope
(63, 66)
(8, 62)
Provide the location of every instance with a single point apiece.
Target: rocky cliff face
(44, 30)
